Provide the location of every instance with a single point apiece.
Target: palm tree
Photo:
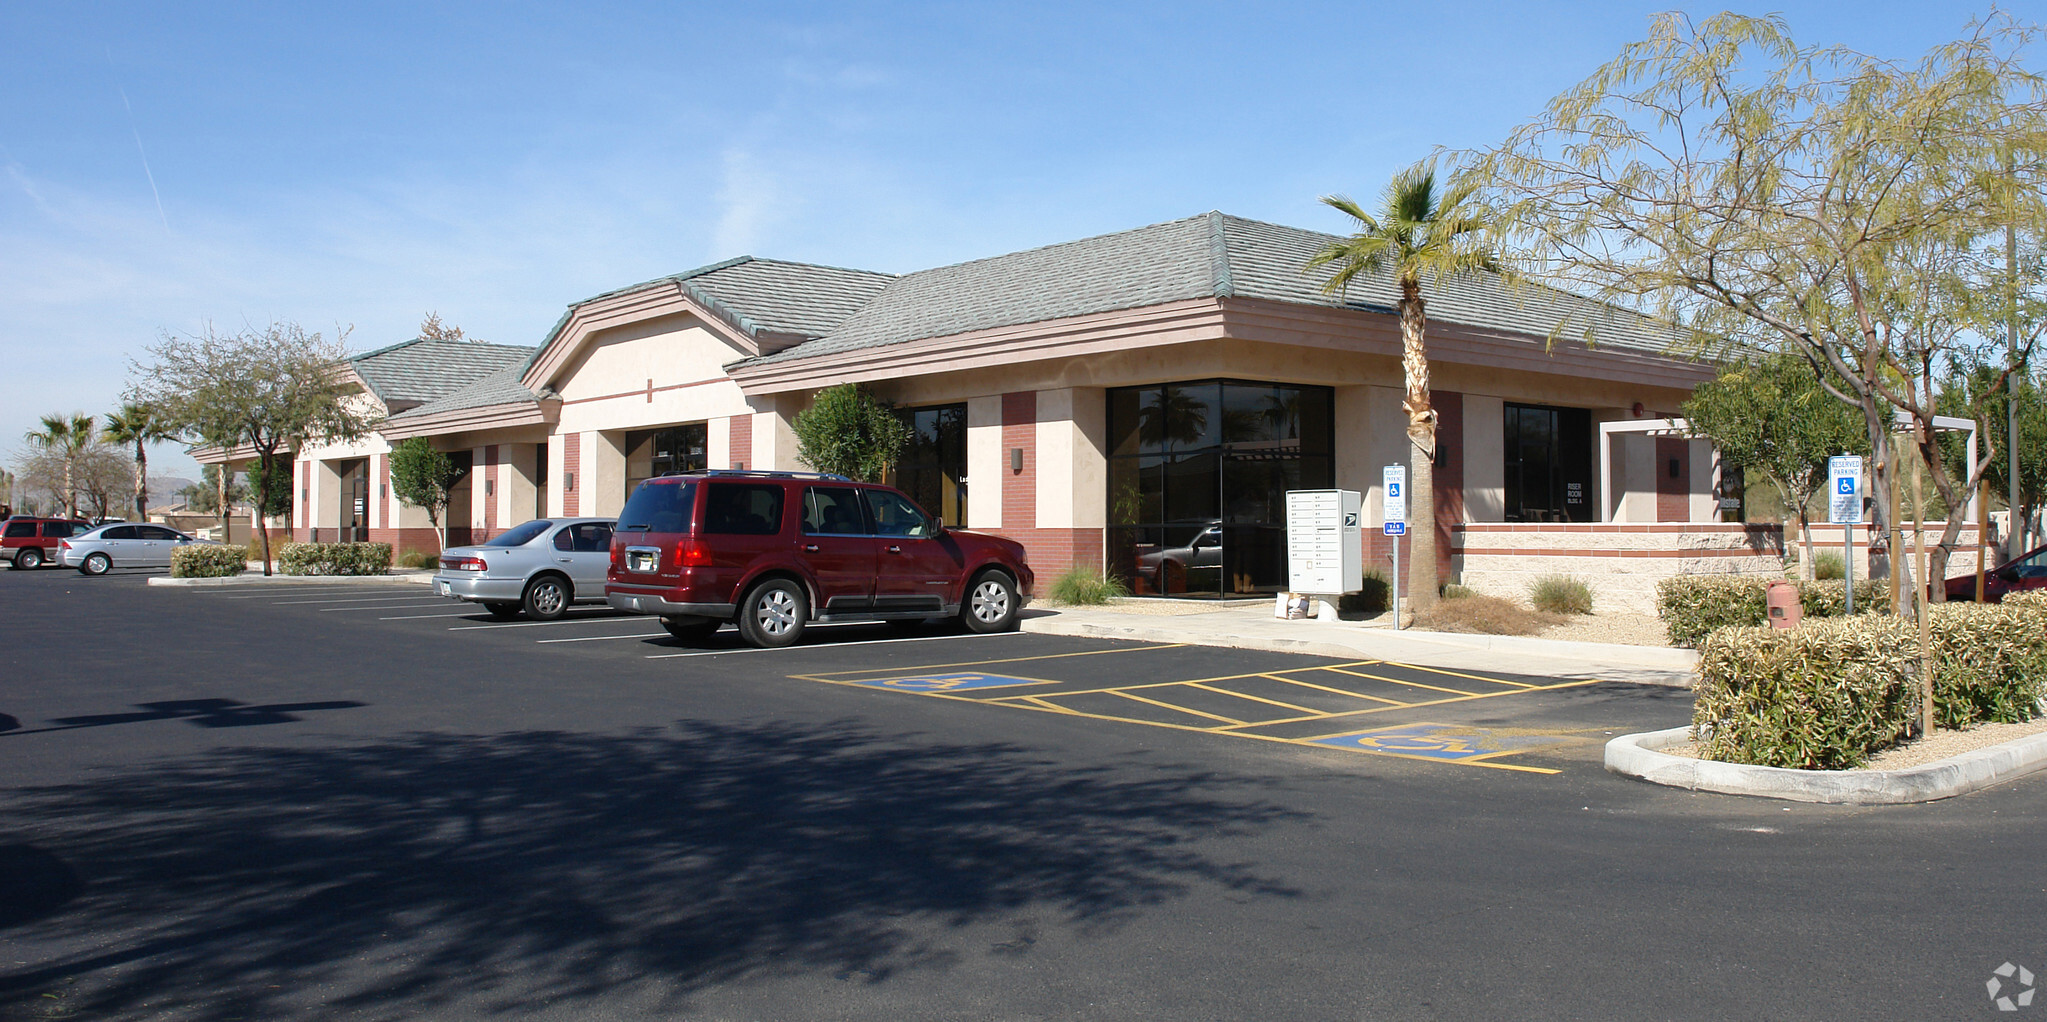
(69, 438)
(1419, 233)
(141, 425)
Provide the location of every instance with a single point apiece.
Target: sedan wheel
(547, 598)
(992, 604)
(774, 614)
(96, 564)
(29, 558)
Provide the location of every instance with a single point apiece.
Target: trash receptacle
(1784, 608)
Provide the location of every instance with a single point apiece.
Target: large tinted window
(522, 534)
(742, 509)
(119, 532)
(659, 507)
(16, 530)
(932, 467)
(1198, 474)
(1548, 454)
(59, 530)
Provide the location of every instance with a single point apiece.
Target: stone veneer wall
(1621, 563)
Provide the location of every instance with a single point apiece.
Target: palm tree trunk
(1421, 435)
(70, 491)
(141, 481)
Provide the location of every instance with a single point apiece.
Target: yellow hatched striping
(1403, 681)
(1255, 699)
(1179, 709)
(1336, 691)
(1416, 706)
(929, 668)
(1461, 674)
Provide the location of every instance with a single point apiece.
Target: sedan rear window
(659, 507)
(521, 535)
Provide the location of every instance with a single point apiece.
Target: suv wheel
(774, 614)
(691, 629)
(547, 598)
(96, 564)
(28, 558)
(991, 604)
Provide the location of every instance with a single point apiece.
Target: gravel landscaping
(1624, 629)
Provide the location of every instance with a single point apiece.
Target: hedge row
(334, 558)
(1693, 606)
(1829, 694)
(208, 560)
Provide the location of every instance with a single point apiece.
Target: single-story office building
(1139, 401)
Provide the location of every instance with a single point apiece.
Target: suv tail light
(690, 553)
(466, 564)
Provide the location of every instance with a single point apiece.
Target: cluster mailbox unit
(1325, 544)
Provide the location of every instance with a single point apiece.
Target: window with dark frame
(932, 467)
(1548, 470)
(1198, 475)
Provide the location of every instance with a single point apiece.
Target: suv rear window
(659, 507)
(16, 530)
(742, 509)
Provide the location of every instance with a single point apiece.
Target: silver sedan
(541, 568)
(101, 549)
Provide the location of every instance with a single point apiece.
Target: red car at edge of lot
(29, 542)
(2021, 573)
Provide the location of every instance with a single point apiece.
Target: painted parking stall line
(833, 645)
(1294, 705)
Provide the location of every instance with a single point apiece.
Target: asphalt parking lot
(325, 801)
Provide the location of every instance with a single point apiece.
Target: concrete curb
(1058, 625)
(1651, 657)
(1635, 756)
(245, 579)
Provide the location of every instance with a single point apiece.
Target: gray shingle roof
(498, 388)
(421, 370)
(1213, 255)
(767, 295)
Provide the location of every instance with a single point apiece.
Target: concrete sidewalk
(1250, 625)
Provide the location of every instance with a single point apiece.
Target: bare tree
(1812, 199)
(273, 390)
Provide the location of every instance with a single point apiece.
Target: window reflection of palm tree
(1172, 414)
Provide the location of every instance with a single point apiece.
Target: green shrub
(1692, 606)
(1989, 663)
(1453, 591)
(208, 560)
(1830, 693)
(1085, 586)
(1827, 565)
(1823, 696)
(334, 558)
(1560, 594)
(417, 559)
(1373, 598)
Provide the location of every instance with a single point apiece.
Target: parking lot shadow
(543, 869)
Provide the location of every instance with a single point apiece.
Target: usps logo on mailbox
(1350, 520)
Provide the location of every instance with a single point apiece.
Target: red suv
(774, 551)
(32, 542)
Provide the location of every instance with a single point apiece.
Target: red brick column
(1673, 496)
(572, 462)
(1020, 486)
(739, 453)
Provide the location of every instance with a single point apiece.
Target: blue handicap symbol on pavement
(1437, 741)
(946, 682)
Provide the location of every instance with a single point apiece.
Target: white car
(541, 568)
(103, 548)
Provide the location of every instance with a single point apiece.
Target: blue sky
(167, 165)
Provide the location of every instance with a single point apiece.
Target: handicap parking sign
(1845, 507)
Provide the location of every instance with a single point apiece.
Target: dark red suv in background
(774, 551)
(29, 542)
